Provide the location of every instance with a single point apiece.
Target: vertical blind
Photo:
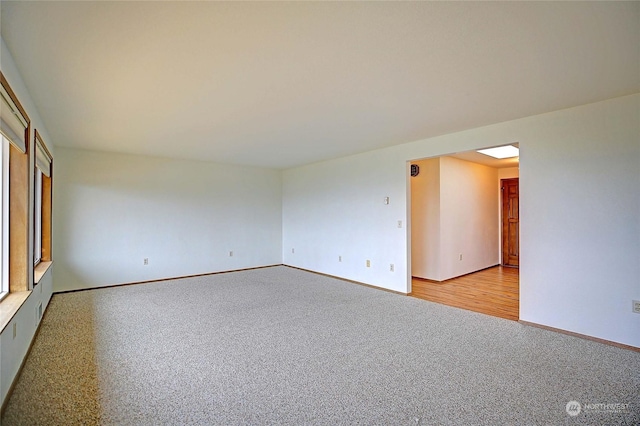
(13, 124)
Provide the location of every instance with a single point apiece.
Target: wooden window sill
(40, 269)
(10, 305)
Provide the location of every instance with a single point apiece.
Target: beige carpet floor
(282, 346)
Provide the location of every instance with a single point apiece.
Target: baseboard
(167, 279)
(349, 281)
(582, 336)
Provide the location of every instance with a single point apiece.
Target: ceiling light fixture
(507, 151)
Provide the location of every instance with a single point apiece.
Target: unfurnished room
(319, 213)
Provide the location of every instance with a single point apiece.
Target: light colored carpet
(283, 346)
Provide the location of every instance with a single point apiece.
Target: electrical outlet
(636, 306)
(146, 261)
(293, 250)
(399, 224)
(15, 329)
(339, 258)
(386, 200)
(230, 253)
(460, 257)
(368, 263)
(391, 267)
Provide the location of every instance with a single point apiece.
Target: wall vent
(39, 312)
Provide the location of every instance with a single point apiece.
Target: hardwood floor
(493, 291)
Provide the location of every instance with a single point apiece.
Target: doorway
(458, 255)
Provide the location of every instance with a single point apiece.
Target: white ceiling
(284, 84)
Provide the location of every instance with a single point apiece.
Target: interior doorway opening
(458, 232)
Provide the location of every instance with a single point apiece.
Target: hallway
(493, 291)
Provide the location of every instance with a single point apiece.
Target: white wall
(114, 210)
(336, 208)
(580, 221)
(425, 220)
(13, 350)
(468, 210)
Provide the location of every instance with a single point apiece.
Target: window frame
(19, 191)
(43, 199)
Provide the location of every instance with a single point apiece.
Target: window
(15, 128)
(42, 204)
(37, 248)
(4, 218)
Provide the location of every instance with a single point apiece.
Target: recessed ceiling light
(506, 151)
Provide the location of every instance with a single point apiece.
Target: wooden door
(510, 223)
